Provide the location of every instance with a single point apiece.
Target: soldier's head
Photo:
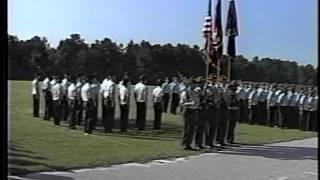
(142, 79)
(66, 75)
(159, 82)
(37, 75)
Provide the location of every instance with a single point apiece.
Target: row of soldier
(220, 102)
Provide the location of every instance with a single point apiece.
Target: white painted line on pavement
(312, 173)
(283, 178)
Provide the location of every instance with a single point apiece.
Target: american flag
(213, 34)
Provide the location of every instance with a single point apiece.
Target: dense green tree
(75, 56)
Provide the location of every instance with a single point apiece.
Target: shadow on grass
(170, 131)
(20, 161)
(276, 152)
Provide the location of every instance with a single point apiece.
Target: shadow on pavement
(276, 152)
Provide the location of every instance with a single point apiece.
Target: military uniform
(234, 109)
(87, 107)
(36, 97)
(124, 101)
(166, 95)
(272, 106)
(283, 103)
(253, 106)
(47, 97)
(64, 100)
(141, 97)
(56, 102)
(241, 93)
(79, 103)
(305, 108)
(293, 108)
(214, 100)
(109, 95)
(262, 106)
(157, 95)
(224, 117)
(314, 112)
(190, 100)
(203, 116)
(175, 93)
(72, 107)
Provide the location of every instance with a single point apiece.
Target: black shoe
(201, 147)
(188, 148)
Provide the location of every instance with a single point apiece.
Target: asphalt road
(295, 160)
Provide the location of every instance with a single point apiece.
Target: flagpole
(229, 68)
(218, 69)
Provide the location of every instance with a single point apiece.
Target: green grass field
(38, 145)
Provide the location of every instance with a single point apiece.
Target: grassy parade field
(38, 145)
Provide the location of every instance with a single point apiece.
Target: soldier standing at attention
(51, 84)
(78, 104)
(166, 94)
(36, 95)
(214, 92)
(248, 89)
(314, 110)
(56, 100)
(305, 108)
(157, 95)
(203, 114)
(87, 106)
(72, 95)
(95, 87)
(283, 103)
(182, 87)
(262, 105)
(272, 105)
(64, 102)
(224, 114)
(234, 109)
(141, 98)
(103, 108)
(293, 109)
(124, 101)
(252, 104)
(241, 93)
(109, 97)
(175, 93)
(190, 100)
(46, 96)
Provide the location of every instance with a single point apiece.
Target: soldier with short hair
(234, 108)
(272, 105)
(214, 99)
(46, 96)
(283, 103)
(108, 91)
(141, 98)
(64, 101)
(124, 101)
(87, 105)
(175, 93)
(314, 110)
(253, 105)
(56, 100)
(36, 94)
(190, 101)
(72, 103)
(157, 95)
(166, 94)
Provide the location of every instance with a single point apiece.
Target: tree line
(75, 56)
